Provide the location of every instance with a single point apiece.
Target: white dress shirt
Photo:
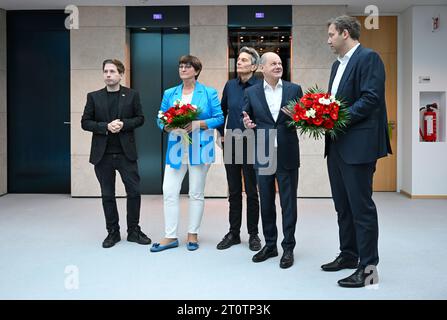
(341, 68)
(274, 98)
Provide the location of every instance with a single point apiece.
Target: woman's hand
(194, 125)
(168, 129)
(188, 127)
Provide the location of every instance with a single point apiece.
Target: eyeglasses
(184, 65)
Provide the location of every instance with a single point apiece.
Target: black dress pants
(235, 170)
(106, 172)
(351, 187)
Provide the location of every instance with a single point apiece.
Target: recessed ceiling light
(174, 28)
(144, 29)
(243, 28)
(275, 27)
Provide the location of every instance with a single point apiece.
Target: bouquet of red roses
(318, 113)
(179, 116)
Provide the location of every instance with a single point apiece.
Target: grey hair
(264, 57)
(351, 24)
(253, 53)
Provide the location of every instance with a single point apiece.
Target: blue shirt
(232, 102)
(201, 150)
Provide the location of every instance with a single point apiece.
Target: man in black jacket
(112, 114)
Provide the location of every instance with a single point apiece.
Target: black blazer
(255, 104)
(362, 86)
(96, 118)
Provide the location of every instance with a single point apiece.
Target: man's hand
(287, 112)
(115, 126)
(248, 124)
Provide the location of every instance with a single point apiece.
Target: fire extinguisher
(429, 122)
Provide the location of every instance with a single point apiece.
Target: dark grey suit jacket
(362, 86)
(255, 104)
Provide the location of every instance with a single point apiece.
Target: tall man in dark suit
(112, 114)
(358, 77)
(278, 143)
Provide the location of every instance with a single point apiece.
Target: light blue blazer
(202, 149)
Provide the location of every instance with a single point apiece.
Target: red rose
(317, 107)
(308, 103)
(307, 100)
(328, 124)
(318, 121)
(302, 114)
(334, 115)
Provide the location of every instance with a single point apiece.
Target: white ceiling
(354, 6)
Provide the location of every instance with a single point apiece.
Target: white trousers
(171, 196)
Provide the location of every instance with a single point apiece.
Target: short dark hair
(192, 60)
(119, 65)
(351, 24)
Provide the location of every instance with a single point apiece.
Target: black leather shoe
(286, 259)
(136, 235)
(264, 254)
(357, 279)
(112, 238)
(254, 243)
(229, 240)
(340, 263)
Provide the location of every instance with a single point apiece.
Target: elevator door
(154, 68)
(263, 39)
(38, 102)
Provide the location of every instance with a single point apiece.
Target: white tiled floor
(42, 235)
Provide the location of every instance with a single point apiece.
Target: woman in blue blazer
(181, 156)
